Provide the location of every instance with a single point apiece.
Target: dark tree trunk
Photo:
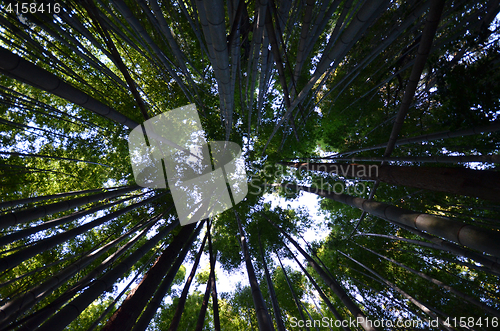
(215, 301)
(182, 300)
(204, 305)
(164, 286)
(131, 308)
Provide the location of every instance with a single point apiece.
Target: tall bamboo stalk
(492, 127)
(489, 263)
(439, 283)
(15, 66)
(325, 299)
(31, 214)
(22, 303)
(424, 49)
(333, 284)
(71, 311)
(10, 261)
(127, 314)
(174, 323)
(155, 303)
(425, 308)
(298, 304)
(215, 301)
(11, 237)
(484, 184)
(263, 317)
(272, 292)
(468, 235)
(93, 282)
(11, 203)
(204, 305)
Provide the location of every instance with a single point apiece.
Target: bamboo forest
(369, 135)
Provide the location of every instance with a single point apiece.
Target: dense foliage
(291, 81)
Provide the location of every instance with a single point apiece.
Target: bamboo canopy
(400, 98)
